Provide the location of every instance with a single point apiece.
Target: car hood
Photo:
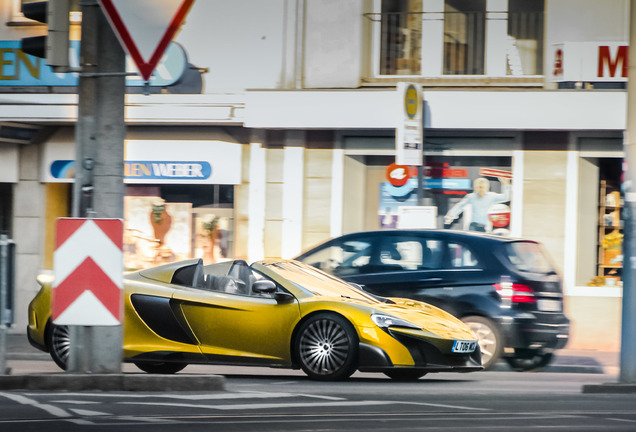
(429, 318)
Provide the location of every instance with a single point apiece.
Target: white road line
(444, 406)
(89, 413)
(622, 420)
(264, 405)
(57, 412)
(213, 396)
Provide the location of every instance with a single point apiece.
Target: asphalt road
(288, 401)
(265, 399)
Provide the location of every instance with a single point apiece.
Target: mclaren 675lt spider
(277, 313)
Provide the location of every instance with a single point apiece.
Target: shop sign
(179, 162)
(590, 62)
(145, 170)
(398, 175)
(184, 170)
(408, 133)
(23, 70)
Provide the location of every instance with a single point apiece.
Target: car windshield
(529, 257)
(317, 281)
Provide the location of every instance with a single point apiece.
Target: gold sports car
(276, 313)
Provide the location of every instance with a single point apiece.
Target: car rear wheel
(164, 368)
(326, 347)
(405, 375)
(59, 344)
(490, 341)
(537, 361)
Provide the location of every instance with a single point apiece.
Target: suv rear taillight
(515, 293)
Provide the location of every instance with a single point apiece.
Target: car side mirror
(264, 287)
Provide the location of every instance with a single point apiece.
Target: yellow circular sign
(411, 102)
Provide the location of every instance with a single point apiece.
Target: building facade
(270, 126)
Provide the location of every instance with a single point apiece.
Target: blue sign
(24, 70)
(145, 170)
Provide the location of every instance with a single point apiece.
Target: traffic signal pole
(628, 323)
(99, 166)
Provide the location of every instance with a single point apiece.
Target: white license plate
(549, 305)
(464, 346)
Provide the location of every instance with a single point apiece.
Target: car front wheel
(490, 341)
(59, 344)
(326, 347)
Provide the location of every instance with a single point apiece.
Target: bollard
(7, 280)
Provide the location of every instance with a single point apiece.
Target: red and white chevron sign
(88, 265)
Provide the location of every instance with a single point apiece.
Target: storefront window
(466, 193)
(6, 198)
(166, 223)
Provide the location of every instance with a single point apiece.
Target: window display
(468, 193)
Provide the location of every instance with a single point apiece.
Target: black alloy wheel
(58, 341)
(327, 347)
(164, 368)
(523, 364)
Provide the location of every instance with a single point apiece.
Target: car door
(240, 327)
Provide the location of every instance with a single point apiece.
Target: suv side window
(408, 253)
(461, 256)
(342, 258)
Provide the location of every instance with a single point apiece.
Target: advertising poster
(466, 193)
(212, 237)
(155, 232)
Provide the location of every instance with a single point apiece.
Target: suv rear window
(529, 257)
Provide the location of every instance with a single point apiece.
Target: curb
(609, 388)
(113, 382)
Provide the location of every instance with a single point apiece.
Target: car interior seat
(191, 276)
(241, 272)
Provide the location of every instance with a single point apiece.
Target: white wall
(239, 41)
(586, 20)
(333, 43)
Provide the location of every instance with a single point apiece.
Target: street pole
(99, 166)
(628, 332)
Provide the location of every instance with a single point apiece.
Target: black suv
(505, 289)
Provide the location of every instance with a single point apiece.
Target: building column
(28, 212)
(292, 203)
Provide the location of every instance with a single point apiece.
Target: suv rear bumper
(540, 336)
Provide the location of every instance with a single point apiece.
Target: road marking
(55, 411)
(445, 406)
(622, 420)
(89, 413)
(264, 405)
(213, 396)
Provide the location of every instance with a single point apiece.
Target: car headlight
(386, 321)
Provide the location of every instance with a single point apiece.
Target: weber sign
(589, 62)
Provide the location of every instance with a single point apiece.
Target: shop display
(610, 236)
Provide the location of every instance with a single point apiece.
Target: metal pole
(4, 271)
(628, 334)
(99, 166)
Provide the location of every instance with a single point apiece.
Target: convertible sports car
(276, 313)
